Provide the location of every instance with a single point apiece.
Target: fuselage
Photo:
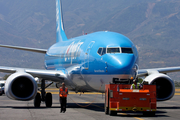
(92, 60)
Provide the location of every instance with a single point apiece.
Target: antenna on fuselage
(60, 32)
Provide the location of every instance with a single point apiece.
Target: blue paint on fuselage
(82, 51)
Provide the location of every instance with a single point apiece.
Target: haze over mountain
(152, 25)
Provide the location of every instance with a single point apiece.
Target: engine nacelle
(21, 86)
(165, 87)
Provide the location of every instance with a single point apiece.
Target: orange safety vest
(63, 93)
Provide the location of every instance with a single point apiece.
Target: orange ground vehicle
(119, 97)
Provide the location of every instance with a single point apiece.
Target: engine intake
(21, 86)
(164, 85)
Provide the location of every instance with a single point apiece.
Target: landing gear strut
(47, 98)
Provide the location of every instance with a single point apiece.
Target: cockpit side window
(126, 50)
(100, 51)
(113, 50)
(103, 51)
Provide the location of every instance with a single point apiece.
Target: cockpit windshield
(126, 50)
(113, 50)
(101, 51)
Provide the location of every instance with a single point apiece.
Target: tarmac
(88, 106)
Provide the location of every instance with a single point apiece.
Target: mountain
(153, 26)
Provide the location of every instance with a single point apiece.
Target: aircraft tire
(48, 100)
(37, 100)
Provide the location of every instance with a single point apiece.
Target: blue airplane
(85, 63)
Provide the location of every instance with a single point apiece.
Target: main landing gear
(45, 97)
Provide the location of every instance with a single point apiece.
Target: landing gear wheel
(37, 100)
(48, 100)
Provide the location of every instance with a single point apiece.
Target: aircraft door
(87, 52)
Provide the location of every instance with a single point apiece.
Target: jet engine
(21, 86)
(164, 85)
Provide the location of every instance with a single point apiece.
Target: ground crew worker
(63, 92)
(136, 85)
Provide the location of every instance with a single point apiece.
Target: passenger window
(113, 50)
(126, 50)
(99, 51)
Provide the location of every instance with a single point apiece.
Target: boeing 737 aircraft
(84, 63)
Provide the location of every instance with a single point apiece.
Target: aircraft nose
(122, 64)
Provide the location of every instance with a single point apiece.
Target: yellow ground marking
(52, 89)
(86, 102)
(177, 94)
(177, 90)
(134, 117)
(138, 118)
(123, 113)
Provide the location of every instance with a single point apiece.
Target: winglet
(60, 34)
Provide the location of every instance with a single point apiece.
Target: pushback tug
(120, 98)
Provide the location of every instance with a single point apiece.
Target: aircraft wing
(146, 72)
(52, 75)
(25, 48)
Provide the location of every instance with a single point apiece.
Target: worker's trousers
(63, 101)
